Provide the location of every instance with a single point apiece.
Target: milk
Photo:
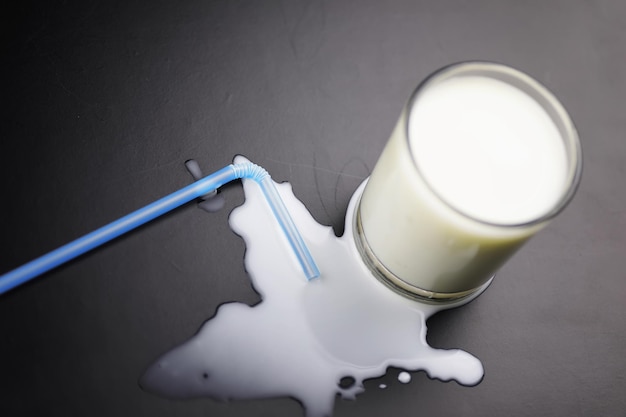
(483, 170)
(447, 206)
(305, 337)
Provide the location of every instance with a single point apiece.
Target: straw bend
(261, 177)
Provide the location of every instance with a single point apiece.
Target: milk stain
(308, 340)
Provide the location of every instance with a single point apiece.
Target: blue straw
(135, 219)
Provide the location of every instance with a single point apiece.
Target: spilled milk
(304, 337)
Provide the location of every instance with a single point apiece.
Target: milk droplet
(304, 337)
(194, 169)
(211, 202)
(404, 377)
(382, 386)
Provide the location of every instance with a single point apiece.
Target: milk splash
(304, 337)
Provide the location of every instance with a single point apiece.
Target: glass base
(378, 270)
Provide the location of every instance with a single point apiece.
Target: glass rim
(543, 96)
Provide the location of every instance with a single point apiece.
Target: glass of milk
(482, 158)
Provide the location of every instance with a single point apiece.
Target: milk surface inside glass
(471, 157)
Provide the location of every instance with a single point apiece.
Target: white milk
(304, 337)
(480, 151)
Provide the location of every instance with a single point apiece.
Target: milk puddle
(304, 337)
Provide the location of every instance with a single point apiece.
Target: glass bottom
(394, 282)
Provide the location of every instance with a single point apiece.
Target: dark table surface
(104, 101)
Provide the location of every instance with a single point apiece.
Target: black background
(104, 101)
